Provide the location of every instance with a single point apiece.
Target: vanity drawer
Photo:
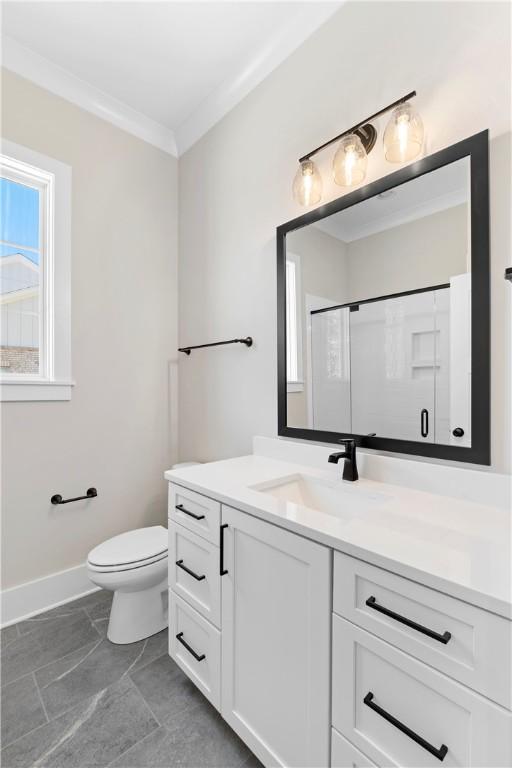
(372, 682)
(194, 571)
(196, 512)
(345, 755)
(365, 595)
(197, 649)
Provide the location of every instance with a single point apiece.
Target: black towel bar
(247, 341)
(90, 494)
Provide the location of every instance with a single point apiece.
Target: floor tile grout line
(100, 618)
(137, 744)
(77, 612)
(40, 697)
(75, 666)
(48, 718)
(54, 661)
(144, 700)
(77, 704)
(147, 663)
(51, 720)
(41, 616)
(28, 733)
(5, 646)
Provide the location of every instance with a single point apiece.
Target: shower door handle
(424, 422)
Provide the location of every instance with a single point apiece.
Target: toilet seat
(127, 566)
(130, 550)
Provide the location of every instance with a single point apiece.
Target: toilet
(134, 566)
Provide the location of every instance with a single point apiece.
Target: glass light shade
(307, 184)
(403, 137)
(350, 161)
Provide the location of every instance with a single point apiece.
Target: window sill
(295, 386)
(31, 390)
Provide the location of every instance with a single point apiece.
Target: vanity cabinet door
(401, 712)
(276, 599)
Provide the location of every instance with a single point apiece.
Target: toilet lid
(131, 547)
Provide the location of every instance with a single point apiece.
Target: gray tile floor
(72, 699)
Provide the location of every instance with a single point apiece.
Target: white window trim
(297, 385)
(54, 382)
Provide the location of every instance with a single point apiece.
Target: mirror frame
(477, 149)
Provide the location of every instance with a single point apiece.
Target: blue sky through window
(19, 218)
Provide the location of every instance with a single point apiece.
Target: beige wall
(425, 252)
(323, 267)
(114, 433)
(235, 188)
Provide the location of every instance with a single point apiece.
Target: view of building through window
(20, 262)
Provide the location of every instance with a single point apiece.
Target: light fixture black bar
(247, 341)
(508, 274)
(358, 125)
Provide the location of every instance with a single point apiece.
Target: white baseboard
(33, 597)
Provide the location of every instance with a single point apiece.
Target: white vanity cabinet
(276, 598)
(318, 659)
(263, 659)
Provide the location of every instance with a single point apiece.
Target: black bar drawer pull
(222, 570)
(196, 656)
(181, 508)
(444, 638)
(179, 563)
(439, 753)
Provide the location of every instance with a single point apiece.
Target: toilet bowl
(134, 566)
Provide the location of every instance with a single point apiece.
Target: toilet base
(137, 615)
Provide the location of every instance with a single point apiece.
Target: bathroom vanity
(362, 623)
(345, 624)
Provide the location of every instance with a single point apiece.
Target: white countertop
(458, 547)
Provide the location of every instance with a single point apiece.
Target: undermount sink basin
(332, 497)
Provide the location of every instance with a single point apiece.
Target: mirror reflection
(378, 314)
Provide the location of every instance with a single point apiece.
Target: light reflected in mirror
(378, 300)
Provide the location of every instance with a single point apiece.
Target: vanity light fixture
(350, 161)
(403, 139)
(307, 184)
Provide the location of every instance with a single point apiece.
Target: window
(293, 324)
(35, 226)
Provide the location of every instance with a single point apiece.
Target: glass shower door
(393, 367)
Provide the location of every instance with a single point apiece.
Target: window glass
(19, 221)
(20, 265)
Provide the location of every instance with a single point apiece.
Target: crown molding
(232, 91)
(30, 65)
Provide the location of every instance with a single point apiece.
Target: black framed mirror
(383, 312)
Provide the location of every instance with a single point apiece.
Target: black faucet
(349, 454)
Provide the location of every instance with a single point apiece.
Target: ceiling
(431, 193)
(177, 66)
